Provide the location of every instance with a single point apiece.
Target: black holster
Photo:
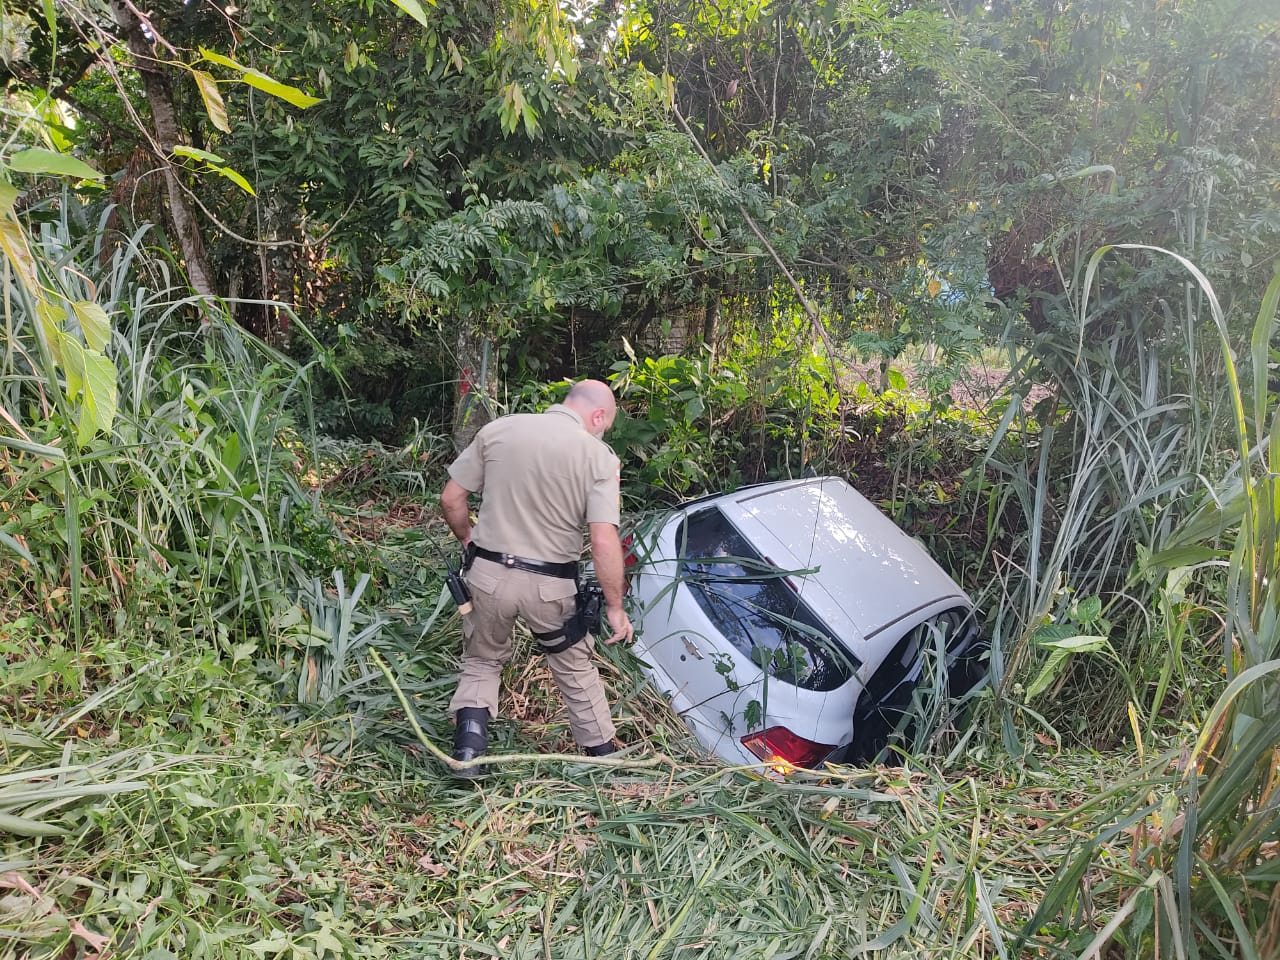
(587, 615)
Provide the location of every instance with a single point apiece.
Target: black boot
(471, 740)
(602, 750)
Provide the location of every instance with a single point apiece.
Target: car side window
(752, 604)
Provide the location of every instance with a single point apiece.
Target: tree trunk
(164, 117)
(473, 399)
(277, 268)
(710, 321)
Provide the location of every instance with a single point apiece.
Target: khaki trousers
(499, 595)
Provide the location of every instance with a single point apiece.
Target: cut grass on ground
(252, 826)
(271, 848)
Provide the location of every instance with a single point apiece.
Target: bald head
(593, 402)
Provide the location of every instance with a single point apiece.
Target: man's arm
(606, 556)
(457, 513)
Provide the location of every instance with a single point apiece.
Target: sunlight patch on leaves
(260, 80)
(414, 9)
(95, 325)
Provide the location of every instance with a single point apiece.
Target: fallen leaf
(96, 941)
(430, 867)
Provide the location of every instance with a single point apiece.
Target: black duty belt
(565, 571)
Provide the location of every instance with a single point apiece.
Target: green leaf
(213, 103)
(14, 243)
(11, 738)
(8, 195)
(22, 827)
(220, 60)
(16, 546)
(1186, 556)
(195, 153)
(273, 945)
(256, 78)
(1076, 644)
(51, 318)
(1089, 609)
(1050, 670)
(414, 9)
(70, 355)
(896, 380)
(231, 453)
(51, 118)
(93, 376)
(235, 178)
(530, 117)
(95, 325)
(40, 161)
(326, 941)
(1091, 171)
(293, 95)
(216, 164)
(511, 108)
(100, 401)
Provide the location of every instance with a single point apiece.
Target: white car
(789, 622)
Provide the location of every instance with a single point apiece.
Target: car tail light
(629, 558)
(784, 751)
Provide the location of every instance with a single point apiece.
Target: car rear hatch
(870, 573)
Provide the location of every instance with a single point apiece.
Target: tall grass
(153, 542)
(1100, 485)
(186, 487)
(1190, 868)
(213, 769)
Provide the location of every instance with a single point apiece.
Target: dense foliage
(1011, 267)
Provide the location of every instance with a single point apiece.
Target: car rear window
(751, 602)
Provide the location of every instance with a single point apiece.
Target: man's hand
(620, 624)
(606, 557)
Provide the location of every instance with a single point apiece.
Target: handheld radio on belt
(453, 580)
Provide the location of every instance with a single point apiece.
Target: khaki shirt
(543, 477)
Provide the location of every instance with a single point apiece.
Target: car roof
(871, 573)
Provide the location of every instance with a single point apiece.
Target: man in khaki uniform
(542, 477)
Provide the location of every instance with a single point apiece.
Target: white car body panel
(827, 524)
(872, 584)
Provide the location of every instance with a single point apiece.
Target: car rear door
(694, 663)
(737, 641)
